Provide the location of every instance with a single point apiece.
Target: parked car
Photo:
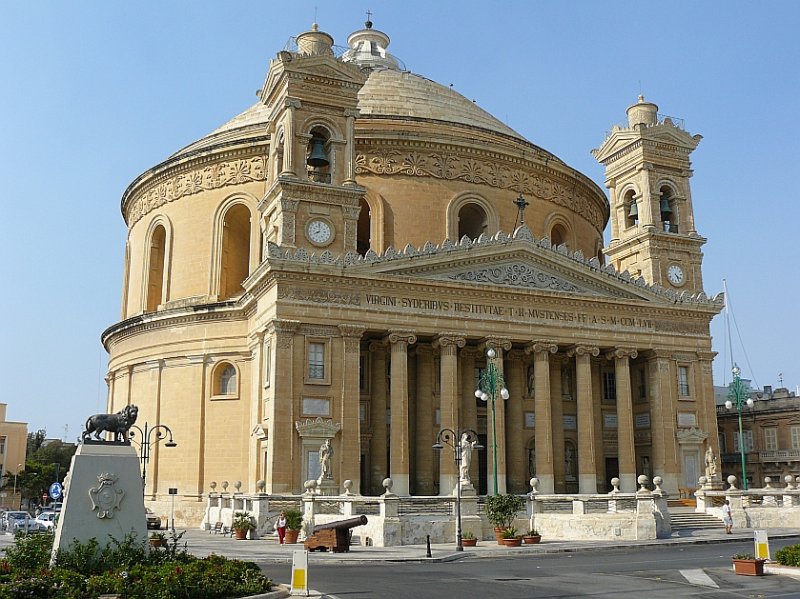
(17, 521)
(46, 521)
(153, 521)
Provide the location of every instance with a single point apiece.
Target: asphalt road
(696, 571)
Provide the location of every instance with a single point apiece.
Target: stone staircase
(686, 518)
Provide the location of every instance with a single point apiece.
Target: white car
(46, 521)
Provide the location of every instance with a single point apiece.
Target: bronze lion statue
(119, 423)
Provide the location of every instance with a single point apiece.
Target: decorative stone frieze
(317, 427)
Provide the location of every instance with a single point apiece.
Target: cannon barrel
(342, 524)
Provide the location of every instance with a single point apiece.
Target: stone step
(683, 521)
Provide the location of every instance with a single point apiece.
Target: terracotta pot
(240, 533)
(291, 536)
(469, 542)
(749, 567)
(158, 542)
(531, 540)
(512, 542)
(498, 534)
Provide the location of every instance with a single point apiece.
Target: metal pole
(459, 544)
(145, 456)
(493, 393)
(737, 390)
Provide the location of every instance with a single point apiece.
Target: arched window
(235, 259)
(631, 209)
(558, 235)
(155, 269)
(363, 235)
(472, 221)
(226, 381)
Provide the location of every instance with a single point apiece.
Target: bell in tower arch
(318, 157)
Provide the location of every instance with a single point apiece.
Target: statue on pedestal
(467, 447)
(325, 455)
(711, 463)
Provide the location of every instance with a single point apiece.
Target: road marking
(698, 577)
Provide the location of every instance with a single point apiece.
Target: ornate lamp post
(737, 394)
(490, 385)
(146, 442)
(462, 442)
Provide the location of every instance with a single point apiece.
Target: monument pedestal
(104, 496)
(327, 486)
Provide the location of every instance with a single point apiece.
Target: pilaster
(350, 450)
(448, 345)
(399, 439)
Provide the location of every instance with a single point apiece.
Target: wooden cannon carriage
(334, 536)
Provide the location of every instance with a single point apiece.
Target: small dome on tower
(642, 113)
(315, 42)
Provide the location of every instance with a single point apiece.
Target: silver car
(20, 521)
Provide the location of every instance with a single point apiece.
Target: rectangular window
(723, 447)
(683, 381)
(796, 437)
(316, 361)
(748, 440)
(609, 386)
(771, 439)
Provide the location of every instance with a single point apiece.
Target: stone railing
(394, 520)
(767, 507)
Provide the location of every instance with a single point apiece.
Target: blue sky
(96, 92)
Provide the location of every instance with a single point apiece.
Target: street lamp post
(490, 385)
(452, 438)
(737, 394)
(147, 442)
(16, 503)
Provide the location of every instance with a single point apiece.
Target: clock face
(675, 275)
(319, 232)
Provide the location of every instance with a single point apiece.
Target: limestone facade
(335, 262)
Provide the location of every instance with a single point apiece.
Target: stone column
(663, 427)
(289, 142)
(424, 439)
(281, 443)
(350, 447)
(516, 435)
(469, 409)
(626, 448)
(498, 344)
(399, 440)
(377, 416)
(545, 424)
(704, 392)
(350, 153)
(448, 344)
(557, 426)
(587, 460)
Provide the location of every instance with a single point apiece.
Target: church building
(336, 262)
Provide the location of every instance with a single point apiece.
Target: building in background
(334, 263)
(13, 447)
(770, 433)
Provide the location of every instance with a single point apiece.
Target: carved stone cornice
(317, 427)
(583, 349)
(621, 352)
(319, 330)
(517, 275)
(706, 356)
(691, 436)
(541, 345)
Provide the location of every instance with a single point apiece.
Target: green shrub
(30, 552)
(502, 509)
(294, 519)
(789, 556)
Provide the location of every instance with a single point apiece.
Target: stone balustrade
(767, 507)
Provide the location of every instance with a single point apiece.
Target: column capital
(583, 349)
(398, 336)
(352, 337)
(495, 343)
(659, 354)
(516, 355)
(470, 352)
(541, 345)
(450, 340)
(378, 345)
(291, 103)
(352, 112)
(423, 350)
(621, 352)
(706, 356)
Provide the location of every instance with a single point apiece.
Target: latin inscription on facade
(509, 312)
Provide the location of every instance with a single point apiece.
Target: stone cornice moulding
(317, 427)
(691, 436)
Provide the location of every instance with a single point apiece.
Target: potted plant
(158, 539)
(501, 511)
(294, 523)
(531, 537)
(468, 539)
(747, 564)
(242, 524)
(511, 538)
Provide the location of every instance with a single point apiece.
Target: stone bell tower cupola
(653, 231)
(312, 200)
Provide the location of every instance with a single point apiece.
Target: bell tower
(653, 231)
(311, 97)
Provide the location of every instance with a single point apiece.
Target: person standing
(726, 517)
(280, 526)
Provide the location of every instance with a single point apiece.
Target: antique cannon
(333, 535)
